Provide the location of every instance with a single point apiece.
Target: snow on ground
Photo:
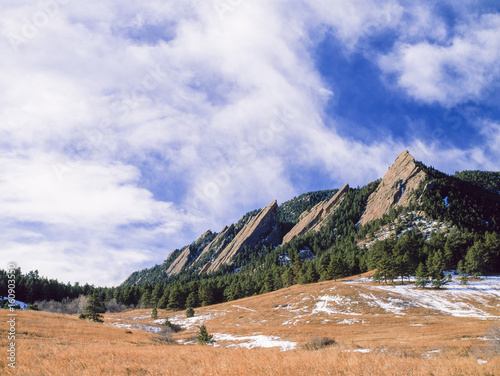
(191, 322)
(350, 321)
(330, 305)
(255, 341)
(453, 298)
(245, 308)
(147, 328)
(395, 306)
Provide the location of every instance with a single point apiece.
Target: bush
(113, 306)
(189, 312)
(165, 336)
(66, 306)
(154, 313)
(320, 343)
(173, 327)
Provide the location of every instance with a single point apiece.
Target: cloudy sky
(128, 128)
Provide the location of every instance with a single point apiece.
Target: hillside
(328, 328)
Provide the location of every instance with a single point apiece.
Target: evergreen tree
(439, 280)
(312, 273)
(94, 309)
(154, 313)
(324, 261)
(156, 294)
(475, 258)
(192, 300)
(203, 337)
(174, 299)
(206, 294)
(146, 298)
(461, 268)
(298, 268)
(336, 268)
(163, 302)
(377, 278)
(189, 312)
(422, 276)
(288, 277)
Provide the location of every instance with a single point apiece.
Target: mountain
(326, 234)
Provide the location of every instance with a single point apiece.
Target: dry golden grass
(50, 344)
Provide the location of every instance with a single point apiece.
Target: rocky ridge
(218, 244)
(185, 257)
(395, 189)
(315, 218)
(262, 228)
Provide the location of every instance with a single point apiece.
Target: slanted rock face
(218, 243)
(315, 218)
(263, 228)
(395, 189)
(179, 263)
(183, 259)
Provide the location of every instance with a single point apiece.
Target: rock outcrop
(395, 189)
(218, 244)
(186, 256)
(264, 228)
(315, 218)
(179, 263)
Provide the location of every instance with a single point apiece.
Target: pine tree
(439, 280)
(174, 299)
(203, 337)
(192, 300)
(146, 298)
(154, 313)
(421, 276)
(206, 294)
(94, 309)
(377, 278)
(156, 294)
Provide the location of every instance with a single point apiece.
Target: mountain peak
(395, 189)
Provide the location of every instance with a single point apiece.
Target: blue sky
(129, 128)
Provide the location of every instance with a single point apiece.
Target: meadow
(365, 338)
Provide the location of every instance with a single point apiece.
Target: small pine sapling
(203, 337)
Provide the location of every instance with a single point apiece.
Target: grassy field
(375, 342)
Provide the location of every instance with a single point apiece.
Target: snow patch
(245, 308)
(147, 328)
(255, 341)
(389, 306)
(454, 300)
(325, 305)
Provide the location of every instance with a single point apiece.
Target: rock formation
(185, 257)
(395, 189)
(220, 241)
(179, 263)
(263, 228)
(315, 218)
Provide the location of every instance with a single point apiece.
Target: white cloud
(459, 70)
